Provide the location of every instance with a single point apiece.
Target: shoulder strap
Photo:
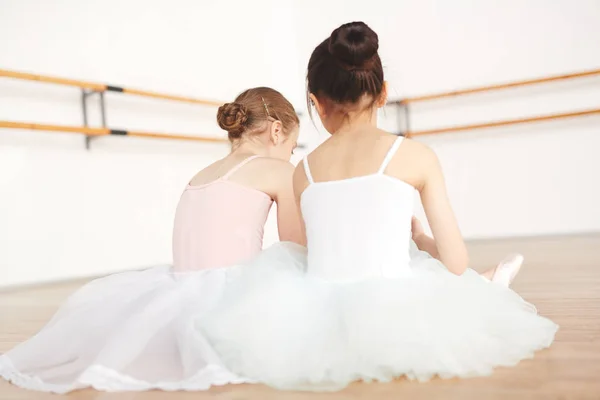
(237, 167)
(307, 170)
(390, 154)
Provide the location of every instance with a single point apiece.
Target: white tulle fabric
(279, 326)
(129, 331)
(134, 331)
(368, 305)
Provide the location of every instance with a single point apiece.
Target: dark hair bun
(233, 117)
(354, 44)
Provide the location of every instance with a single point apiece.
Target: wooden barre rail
(100, 87)
(520, 121)
(106, 132)
(501, 86)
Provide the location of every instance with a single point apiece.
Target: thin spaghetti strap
(237, 167)
(307, 170)
(390, 154)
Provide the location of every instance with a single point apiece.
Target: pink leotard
(219, 224)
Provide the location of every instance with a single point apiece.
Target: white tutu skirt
(277, 325)
(127, 332)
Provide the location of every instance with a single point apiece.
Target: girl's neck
(249, 147)
(358, 123)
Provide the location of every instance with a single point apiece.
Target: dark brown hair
(252, 108)
(346, 67)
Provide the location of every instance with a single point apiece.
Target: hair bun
(232, 117)
(354, 44)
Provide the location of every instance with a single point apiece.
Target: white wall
(66, 212)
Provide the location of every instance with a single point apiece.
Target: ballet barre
(403, 105)
(437, 96)
(510, 122)
(101, 87)
(95, 132)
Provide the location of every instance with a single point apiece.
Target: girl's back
(220, 222)
(412, 164)
(358, 221)
(343, 156)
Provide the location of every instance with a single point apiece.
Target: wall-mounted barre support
(85, 94)
(494, 124)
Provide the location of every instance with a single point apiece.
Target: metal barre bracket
(84, 109)
(402, 118)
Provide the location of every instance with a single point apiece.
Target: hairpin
(266, 108)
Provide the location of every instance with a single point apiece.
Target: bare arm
(289, 221)
(448, 243)
(300, 183)
(423, 242)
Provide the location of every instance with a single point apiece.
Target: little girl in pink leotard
(135, 330)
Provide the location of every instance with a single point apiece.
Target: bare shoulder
(273, 176)
(417, 147)
(268, 175)
(413, 163)
(416, 153)
(275, 168)
(208, 174)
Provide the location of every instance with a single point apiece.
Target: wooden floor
(561, 277)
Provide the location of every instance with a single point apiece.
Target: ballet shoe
(508, 269)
